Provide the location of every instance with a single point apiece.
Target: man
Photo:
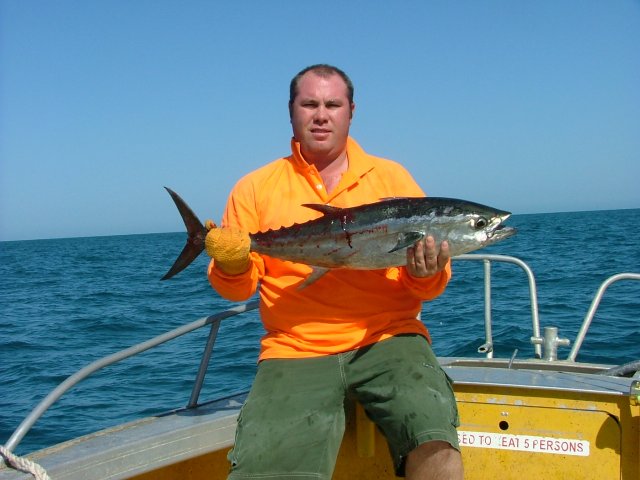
(349, 334)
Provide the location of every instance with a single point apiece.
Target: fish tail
(196, 232)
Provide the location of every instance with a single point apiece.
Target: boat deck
(535, 375)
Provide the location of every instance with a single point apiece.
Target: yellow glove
(229, 248)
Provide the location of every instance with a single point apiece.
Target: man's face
(321, 116)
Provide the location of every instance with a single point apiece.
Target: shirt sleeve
(427, 288)
(240, 213)
(237, 288)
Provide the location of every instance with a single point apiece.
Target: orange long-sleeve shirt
(344, 309)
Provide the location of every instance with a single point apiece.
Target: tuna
(366, 237)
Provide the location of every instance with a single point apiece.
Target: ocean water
(64, 303)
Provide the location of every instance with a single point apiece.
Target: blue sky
(528, 106)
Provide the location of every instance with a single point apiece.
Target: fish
(365, 237)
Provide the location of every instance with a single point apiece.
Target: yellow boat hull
(511, 431)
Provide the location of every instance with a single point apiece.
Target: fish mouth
(503, 231)
(500, 231)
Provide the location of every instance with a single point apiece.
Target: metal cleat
(550, 343)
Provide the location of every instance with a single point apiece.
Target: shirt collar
(359, 161)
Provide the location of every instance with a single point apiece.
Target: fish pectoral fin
(407, 239)
(315, 275)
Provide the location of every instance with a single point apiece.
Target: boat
(540, 417)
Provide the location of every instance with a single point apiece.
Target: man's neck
(338, 165)
(331, 172)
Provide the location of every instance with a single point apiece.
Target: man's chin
(317, 147)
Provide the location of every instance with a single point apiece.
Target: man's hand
(424, 259)
(229, 248)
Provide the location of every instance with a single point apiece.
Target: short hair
(322, 70)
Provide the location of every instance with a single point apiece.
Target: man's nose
(320, 115)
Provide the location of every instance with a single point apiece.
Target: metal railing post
(204, 363)
(592, 310)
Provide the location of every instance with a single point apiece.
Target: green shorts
(293, 420)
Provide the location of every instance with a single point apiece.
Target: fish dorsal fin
(407, 239)
(385, 199)
(321, 207)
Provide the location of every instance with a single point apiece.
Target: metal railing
(487, 347)
(594, 307)
(550, 345)
(213, 320)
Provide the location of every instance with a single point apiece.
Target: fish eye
(480, 223)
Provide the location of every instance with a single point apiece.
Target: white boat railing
(45, 404)
(487, 347)
(586, 323)
(550, 340)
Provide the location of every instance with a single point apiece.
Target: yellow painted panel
(550, 443)
(212, 466)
